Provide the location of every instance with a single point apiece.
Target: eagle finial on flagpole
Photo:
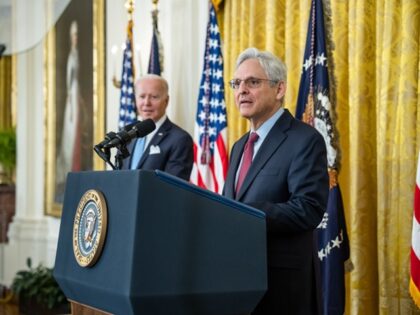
(129, 5)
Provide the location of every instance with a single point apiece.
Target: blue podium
(170, 248)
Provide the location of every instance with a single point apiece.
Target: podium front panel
(170, 248)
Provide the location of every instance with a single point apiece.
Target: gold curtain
(5, 92)
(377, 68)
(262, 24)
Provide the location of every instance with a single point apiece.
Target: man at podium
(168, 148)
(279, 167)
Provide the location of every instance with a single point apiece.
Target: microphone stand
(104, 154)
(122, 153)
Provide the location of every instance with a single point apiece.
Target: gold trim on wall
(53, 206)
(6, 81)
(98, 77)
(14, 89)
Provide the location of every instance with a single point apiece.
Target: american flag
(210, 144)
(415, 243)
(316, 103)
(127, 97)
(156, 50)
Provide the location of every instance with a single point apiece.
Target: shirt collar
(158, 124)
(265, 128)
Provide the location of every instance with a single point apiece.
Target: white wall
(182, 24)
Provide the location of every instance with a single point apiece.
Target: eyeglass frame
(247, 82)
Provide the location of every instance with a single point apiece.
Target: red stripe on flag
(415, 268)
(199, 180)
(414, 287)
(221, 146)
(417, 203)
(195, 151)
(213, 175)
(215, 171)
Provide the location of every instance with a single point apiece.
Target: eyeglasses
(250, 83)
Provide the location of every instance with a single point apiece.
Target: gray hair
(274, 68)
(155, 77)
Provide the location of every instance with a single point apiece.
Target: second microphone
(139, 130)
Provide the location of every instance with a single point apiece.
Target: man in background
(279, 167)
(168, 148)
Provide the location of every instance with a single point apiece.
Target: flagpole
(155, 4)
(155, 12)
(156, 60)
(128, 112)
(129, 5)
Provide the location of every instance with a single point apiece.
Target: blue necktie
(138, 152)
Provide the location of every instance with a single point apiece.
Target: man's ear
(281, 90)
(167, 101)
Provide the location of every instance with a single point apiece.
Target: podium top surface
(208, 194)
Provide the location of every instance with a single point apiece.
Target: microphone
(140, 129)
(108, 137)
(111, 135)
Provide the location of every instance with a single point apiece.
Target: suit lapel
(157, 138)
(274, 139)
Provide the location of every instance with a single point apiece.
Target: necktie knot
(252, 138)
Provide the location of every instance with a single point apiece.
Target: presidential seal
(89, 228)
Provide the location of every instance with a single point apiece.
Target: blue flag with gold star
(315, 106)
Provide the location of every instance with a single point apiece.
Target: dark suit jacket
(288, 180)
(172, 151)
